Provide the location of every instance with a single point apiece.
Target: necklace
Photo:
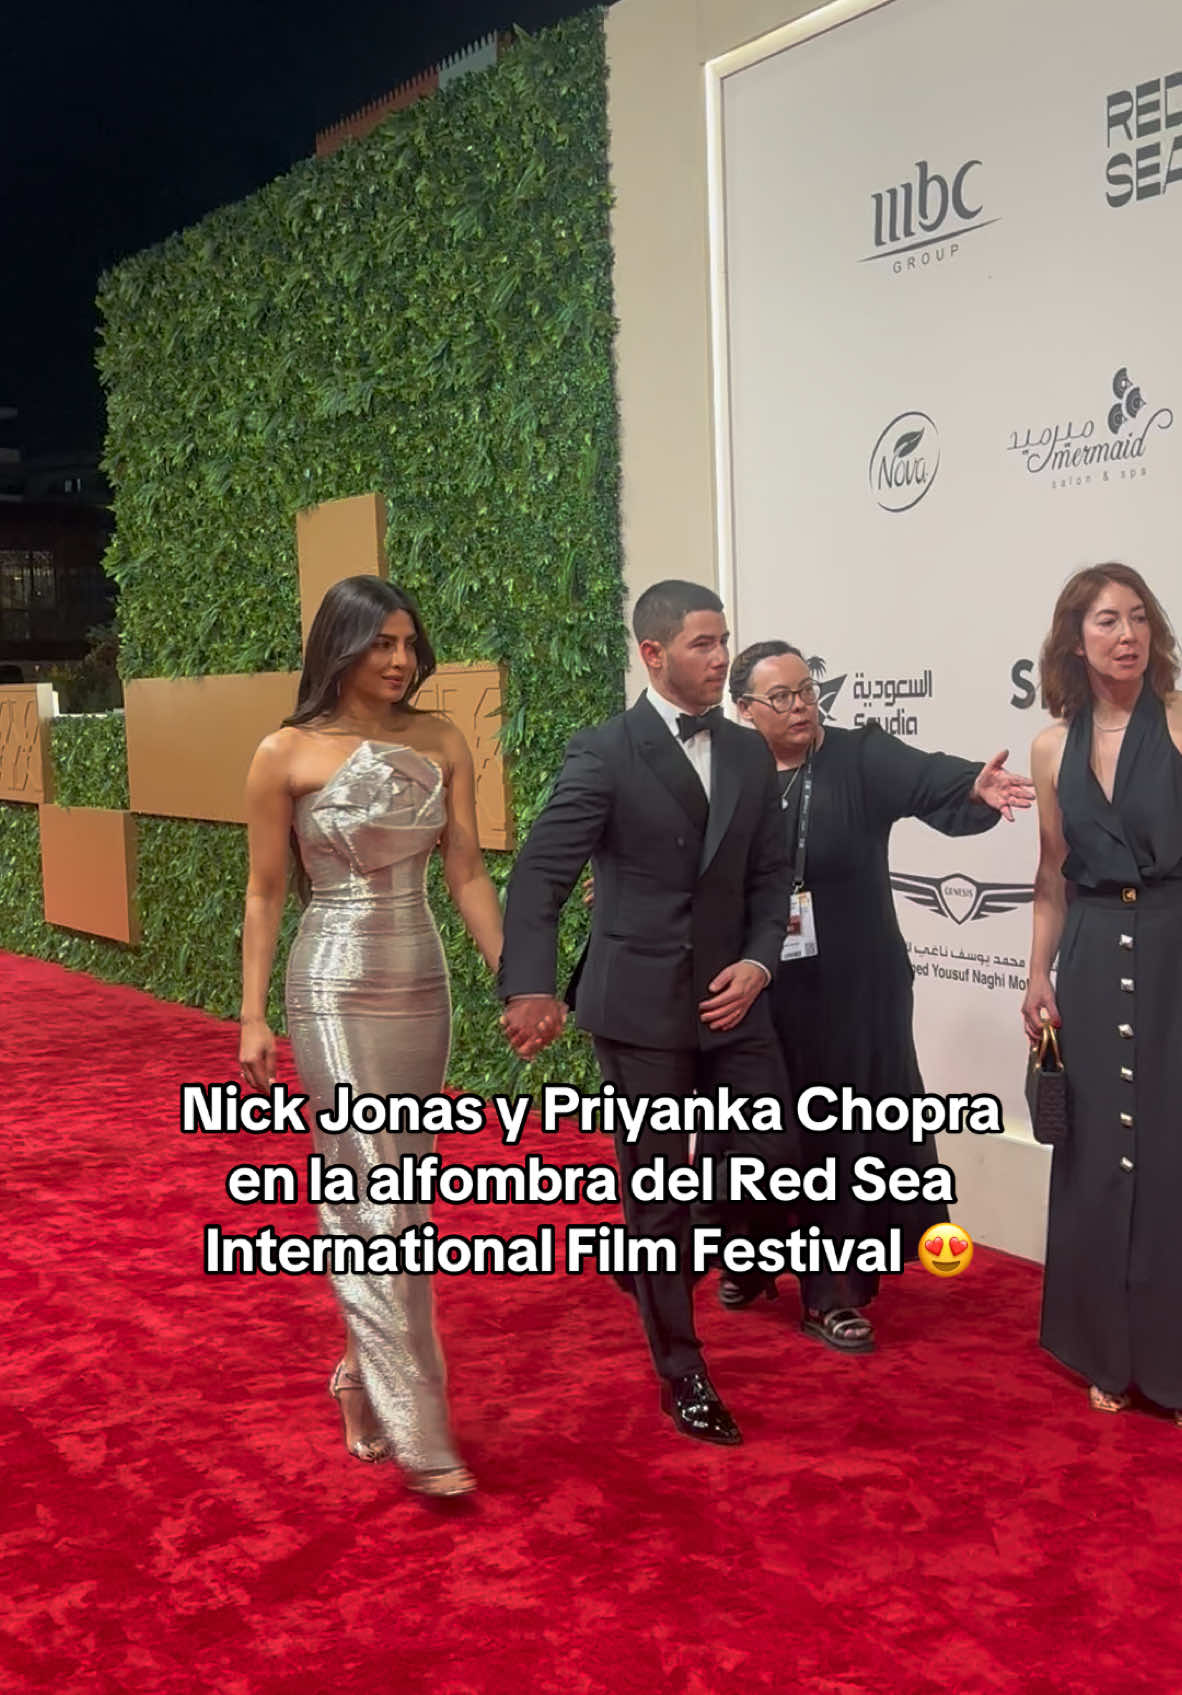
(1110, 729)
(789, 785)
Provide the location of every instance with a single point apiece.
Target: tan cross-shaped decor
(190, 740)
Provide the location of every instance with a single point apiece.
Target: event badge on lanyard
(800, 942)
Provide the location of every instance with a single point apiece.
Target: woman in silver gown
(367, 786)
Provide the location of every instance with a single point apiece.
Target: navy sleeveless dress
(1113, 1286)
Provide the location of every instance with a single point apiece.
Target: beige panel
(191, 739)
(472, 697)
(340, 538)
(657, 50)
(724, 25)
(656, 115)
(26, 772)
(88, 871)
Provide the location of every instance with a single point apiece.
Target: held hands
(1039, 1007)
(732, 994)
(256, 1053)
(531, 1022)
(1001, 789)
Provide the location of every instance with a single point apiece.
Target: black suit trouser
(749, 1065)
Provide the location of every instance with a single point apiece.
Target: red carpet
(180, 1514)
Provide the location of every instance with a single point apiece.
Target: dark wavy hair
(744, 663)
(662, 609)
(1063, 672)
(347, 624)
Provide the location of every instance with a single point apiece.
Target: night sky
(121, 124)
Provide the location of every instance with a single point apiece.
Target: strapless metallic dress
(368, 1005)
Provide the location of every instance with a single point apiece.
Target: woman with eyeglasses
(842, 999)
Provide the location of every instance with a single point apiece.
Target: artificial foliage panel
(426, 313)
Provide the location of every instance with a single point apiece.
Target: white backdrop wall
(948, 255)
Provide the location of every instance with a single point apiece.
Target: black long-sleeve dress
(1113, 1279)
(844, 1017)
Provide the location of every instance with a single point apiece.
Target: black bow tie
(688, 725)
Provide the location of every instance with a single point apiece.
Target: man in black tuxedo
(679, 812)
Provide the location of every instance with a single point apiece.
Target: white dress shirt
(697, 750)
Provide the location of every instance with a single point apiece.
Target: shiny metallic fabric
(368, 1006)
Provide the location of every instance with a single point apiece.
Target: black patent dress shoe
(741, 1291)
(692, 1403)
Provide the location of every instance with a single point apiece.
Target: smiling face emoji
(945, 1250)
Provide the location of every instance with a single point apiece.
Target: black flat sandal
(734, 1293)
(844, 1329)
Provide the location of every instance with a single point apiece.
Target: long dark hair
(347, 624)
(1064, 673)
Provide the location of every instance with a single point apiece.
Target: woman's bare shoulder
(439, 738)
(279, 746)
(1046, 752)
(1049, 741)
(1173, 705)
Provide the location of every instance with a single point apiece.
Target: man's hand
(531, 1022)
(732, 994)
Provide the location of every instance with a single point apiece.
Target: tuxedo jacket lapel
(725, 785)
(668, 762)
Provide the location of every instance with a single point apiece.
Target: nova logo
(904, 462)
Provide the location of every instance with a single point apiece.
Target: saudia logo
(828, 688)
(922, 222)
(904, 462)
(1143, 117)
(962, 898)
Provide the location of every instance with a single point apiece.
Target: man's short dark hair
(662, 609)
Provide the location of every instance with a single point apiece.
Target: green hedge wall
(426, 313)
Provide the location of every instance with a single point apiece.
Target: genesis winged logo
(962, 898)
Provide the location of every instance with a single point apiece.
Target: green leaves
(426, 313)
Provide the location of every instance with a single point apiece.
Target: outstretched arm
(1050, 886)
(268, 834)
(958, 797)
(561, 842)
(464, 871)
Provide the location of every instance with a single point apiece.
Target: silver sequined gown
(368, 1005)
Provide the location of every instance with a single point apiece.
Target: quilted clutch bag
(1046, 1090)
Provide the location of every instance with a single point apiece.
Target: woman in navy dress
(1108, 901)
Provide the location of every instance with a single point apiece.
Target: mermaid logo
(962, 898)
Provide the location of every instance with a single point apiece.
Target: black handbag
(1047, 1091)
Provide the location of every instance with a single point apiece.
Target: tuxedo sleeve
(563, 839)
(768, 876)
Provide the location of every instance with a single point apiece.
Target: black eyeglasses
(782, 700)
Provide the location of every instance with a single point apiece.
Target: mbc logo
(922, 208)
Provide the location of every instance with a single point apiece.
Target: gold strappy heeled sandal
(439, 1485)
(1100, 1401)
(371, 1449)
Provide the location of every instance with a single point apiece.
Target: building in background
(10, 458)
(475, 58)
(54, 529)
